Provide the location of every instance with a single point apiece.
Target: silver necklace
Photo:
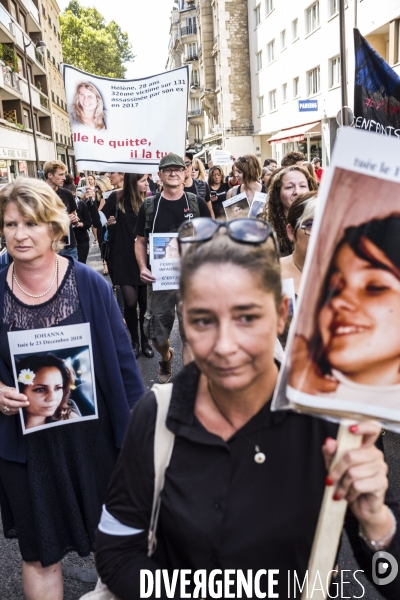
(36, 295)
(259, 457)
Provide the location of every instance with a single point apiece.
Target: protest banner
(258, 204)
(376, 91)
(221, 157)
(349, 307)
(165, 261)
(53, 367)
(237, 207)
(126, 125)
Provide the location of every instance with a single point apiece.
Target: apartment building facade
(295, 68)
(20, 28)
(183, 49)
(60, 121)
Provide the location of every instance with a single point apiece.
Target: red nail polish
(336, 497)
(353, 428)
(328, 481)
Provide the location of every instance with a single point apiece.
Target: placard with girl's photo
(165, 260)
(53, 367)
(237, 207)
(343, 357)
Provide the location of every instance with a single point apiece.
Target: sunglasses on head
(245, 231)
(241, 159)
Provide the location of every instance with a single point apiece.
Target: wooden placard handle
(330, 522)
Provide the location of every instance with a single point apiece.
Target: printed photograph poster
(126, 125)
(343, 356)
(258, 204)
(237, 207)
(165, 261)
(53, 367)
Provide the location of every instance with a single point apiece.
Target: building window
(272, 101)
(53, 60)
(26, 118)
(269, 6)
(20, 66)
(260, 106)
(191, 50)
(314, 81)
(195, 104)
(56, 136)
(295, 29)
(335, 71)
(283, 39)
(13, 9)
(296, 87)
(55, 30)
(49, 21)
(257, 15)
(198, 132)
(48, 54)
(258, 61)
(43, 11)
(313, 17)
(195, 77)
(271, 51)
(333, 7)
(284, 92)
(22, 20)
(53, 97)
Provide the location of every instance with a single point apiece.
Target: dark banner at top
(376, 91)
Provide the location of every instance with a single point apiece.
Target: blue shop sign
(308, 105)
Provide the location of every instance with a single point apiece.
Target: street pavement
(80, 574)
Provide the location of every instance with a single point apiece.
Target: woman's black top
(122, 242)
(220, 509)
(82, 233)
(217, 204)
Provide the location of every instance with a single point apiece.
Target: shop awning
(294, 134)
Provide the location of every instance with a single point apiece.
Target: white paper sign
(126, 125)
(165, 261)
(54, 368)
(258, 204)
(237, 207)
(288, 290)
(221, 157)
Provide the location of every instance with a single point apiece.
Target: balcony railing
(39, 57)
(191, 57)
(5, 18)
(195, 113)
(44, 101)
(11, 79)
(189, 30)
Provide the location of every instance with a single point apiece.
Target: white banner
(165, 261)
(221, 157)
(126, 125)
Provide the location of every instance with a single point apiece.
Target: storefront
(304, 138)
(14, 163)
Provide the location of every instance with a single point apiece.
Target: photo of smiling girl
(46, 381)
(88, 106)
(345, 353)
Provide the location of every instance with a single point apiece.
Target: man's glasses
(172, 171)
(307, 227)
(246, 231)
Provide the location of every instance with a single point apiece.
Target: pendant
(259, 457)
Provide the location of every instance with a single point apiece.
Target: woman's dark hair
(274, 212)
(384, 234)
(261, 260)
(130, 192)
(35, 363)
(211, 173)
(250, 166)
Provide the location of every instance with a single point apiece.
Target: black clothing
(70, 205)
(221, 196)
(132, 297)
(220, 509)
(122, 243)
(82, 232)
(195, 188)
(170, 215)
(152, 185)
(52, 503)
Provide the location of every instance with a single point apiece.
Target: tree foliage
(90, 44)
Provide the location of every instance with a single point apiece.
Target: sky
(147, 24)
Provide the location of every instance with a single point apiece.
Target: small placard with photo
(165, 261)
(53, 367)
(258, 204)
(237, 207)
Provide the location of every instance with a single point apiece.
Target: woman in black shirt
(121, 211)
(244, 485)
(218, 190)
